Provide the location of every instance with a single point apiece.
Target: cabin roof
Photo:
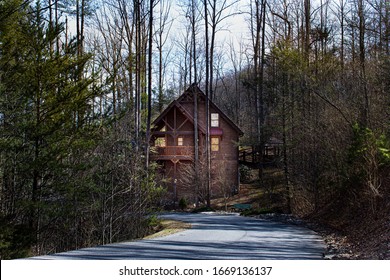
(187, 114)
(189, 93)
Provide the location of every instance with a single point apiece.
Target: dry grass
(168, 227)
(267, 194)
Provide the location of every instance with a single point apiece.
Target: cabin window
(214, 144)
(214, 120)
(160, 142)
(180, 141)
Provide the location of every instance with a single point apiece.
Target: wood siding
(177, 161)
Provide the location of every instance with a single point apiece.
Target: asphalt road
(214, 236)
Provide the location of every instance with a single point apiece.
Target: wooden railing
(172, 151)
(252, 155)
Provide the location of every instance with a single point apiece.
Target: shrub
(245, 174)
(182, 203)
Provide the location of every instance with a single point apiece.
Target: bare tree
(150, 91)
(222, 182)
(163, 29)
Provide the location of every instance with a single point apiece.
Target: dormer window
(214, 120)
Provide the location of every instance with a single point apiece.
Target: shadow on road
(214, 237)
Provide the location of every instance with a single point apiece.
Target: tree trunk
(150, 57)
(362, 59)
(208, 87)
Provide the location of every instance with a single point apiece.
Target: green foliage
(383, 144)
(47, 138)
(15, 240)
(245, 174)
(368, 153)
(256, 211)
(69, 6)
(365, 139)
(289, 60)
(153, 221)
(183, 203)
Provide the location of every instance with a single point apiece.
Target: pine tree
(45, 109)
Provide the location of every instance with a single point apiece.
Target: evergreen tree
(45, 110)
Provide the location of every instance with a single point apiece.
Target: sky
(233, 30)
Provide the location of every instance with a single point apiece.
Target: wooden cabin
(173, 147)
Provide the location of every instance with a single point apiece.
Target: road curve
(213, 236)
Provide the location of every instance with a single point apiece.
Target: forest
(82, 80)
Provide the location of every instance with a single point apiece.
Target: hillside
(349, 232)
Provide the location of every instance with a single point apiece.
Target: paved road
(214, 236)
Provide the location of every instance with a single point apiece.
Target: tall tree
(150, 91)
(163, 29)
(45, 94)
(362, 61)
(207, 111)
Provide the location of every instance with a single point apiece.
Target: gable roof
(187, 114)
(189, 93)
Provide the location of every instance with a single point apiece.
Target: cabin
(173, 148)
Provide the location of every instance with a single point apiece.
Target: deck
(172, 153)
(254, 158)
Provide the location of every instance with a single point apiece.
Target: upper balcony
(172, 153)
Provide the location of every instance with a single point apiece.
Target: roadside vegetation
(80, 82)
(349, 226)
(168, 227)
